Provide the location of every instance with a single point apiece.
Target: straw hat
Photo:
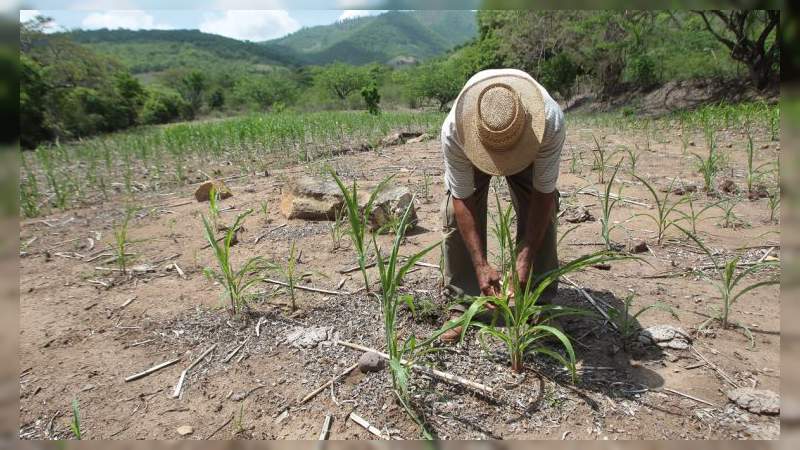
(502, 121)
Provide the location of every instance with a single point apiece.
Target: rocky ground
(84, 328)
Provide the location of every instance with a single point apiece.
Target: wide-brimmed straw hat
(502, 122)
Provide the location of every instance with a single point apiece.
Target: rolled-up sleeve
(459, 173)
(546, 165)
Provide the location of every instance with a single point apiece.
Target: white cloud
(127, 19)
(351, 13)
(253, 25)
(28, 14)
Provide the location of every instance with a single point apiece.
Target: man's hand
(488, 280)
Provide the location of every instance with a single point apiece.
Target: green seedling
(75, 424)
(710, 166)
(235, 282)
(774, 203)
(726, 278)
(391, 272)
(627, 322)
(607, 204)
(754, 173)
(664, 209)
(359, 219)
(693, 216)
(121, 241)
(729, 217)
(289, 274)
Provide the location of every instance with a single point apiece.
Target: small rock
(421, 138)
(639, 247)
(203, 192)
(185, 430)
(370, 362)
(398, 138)
(578, 214)
(756, 401)
(729, 145)
(765, 146)
(666, 336)
(308, 337)
(728, 186)
(758, 192)
(691, 143)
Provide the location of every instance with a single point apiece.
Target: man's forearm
(467, 221)
(540, 214)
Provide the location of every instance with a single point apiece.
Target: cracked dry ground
(76, 341)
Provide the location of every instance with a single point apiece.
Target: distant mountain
(397, 38)
(144, 51)
(382, 38)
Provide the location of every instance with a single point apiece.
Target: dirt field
(77, 341)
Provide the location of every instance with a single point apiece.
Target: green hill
(392, 37)
(395, 34)
(145, 51)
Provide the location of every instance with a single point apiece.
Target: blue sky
(239, 19)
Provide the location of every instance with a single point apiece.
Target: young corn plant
(213, 208)
(726, 278)
(628, 323)
(235, 282)
(501, 223)
(338, 229)
(664, 208)
(694, 216)
(527, 324)
(633, 159)
(710, 166)
(28, 191)
(121, 241)
(575, 162)
(75, 424)
(601, 158)
(607, 204)
(754, 173)
(774, 202)
(359, 219)
(289, 275)
(729, 217)
(391, 272)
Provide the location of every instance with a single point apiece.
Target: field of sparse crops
(147, 314)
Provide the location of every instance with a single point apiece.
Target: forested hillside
(418, 34)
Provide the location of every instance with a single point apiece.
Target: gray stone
(301, 337)
(756, 401)
(389, 207)
(311, 199)
(314, 199)
(370, 362)
(185, 430)
(666, 336)
(578, 214)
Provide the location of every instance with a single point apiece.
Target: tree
(440, 81)
(263, 91)
(751, 30)
(372, 98)
(342, 79)
(192, 87)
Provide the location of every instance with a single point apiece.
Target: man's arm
(488, 278)
(540, 215)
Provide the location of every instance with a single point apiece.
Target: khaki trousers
(459, 271)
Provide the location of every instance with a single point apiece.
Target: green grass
(607, 204)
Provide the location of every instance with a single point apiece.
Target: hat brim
(519, 156)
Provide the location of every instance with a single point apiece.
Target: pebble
(185, 430)
(370, 362)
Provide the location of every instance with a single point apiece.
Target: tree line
(68, 91)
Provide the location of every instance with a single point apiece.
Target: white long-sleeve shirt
(459, 171)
